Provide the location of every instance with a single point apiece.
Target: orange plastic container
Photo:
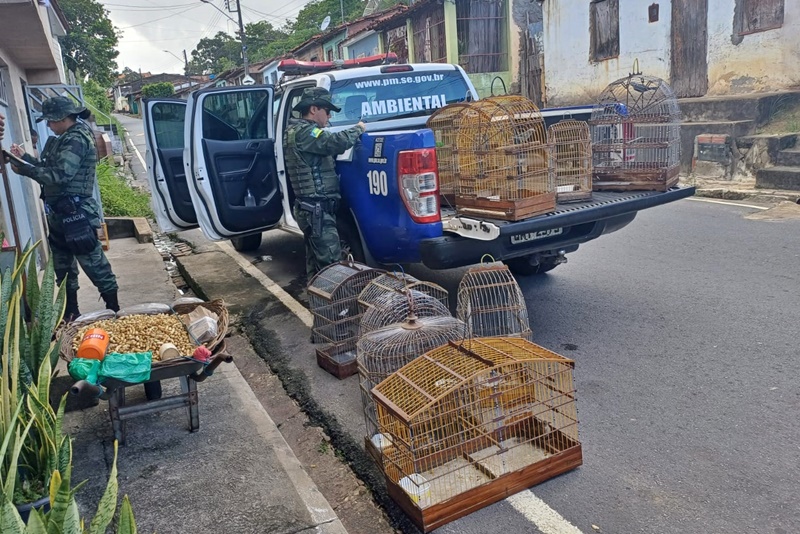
(94, 344)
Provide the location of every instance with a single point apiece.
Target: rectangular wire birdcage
(333, 301)
(469, 423)
(635, 129)
(503, 160)
(571, 160)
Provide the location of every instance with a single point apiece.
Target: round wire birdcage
(491, 303)
(333, 300)
(504, 161)
(385, 350)
(571, 159)
(392, 297)
(635, 129)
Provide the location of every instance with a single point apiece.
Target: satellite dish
(325, 23)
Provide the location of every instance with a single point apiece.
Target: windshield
(396, 96)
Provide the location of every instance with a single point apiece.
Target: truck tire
(350, 240)
(246, 243)
(523, 266)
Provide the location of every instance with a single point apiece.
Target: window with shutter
(604, 29)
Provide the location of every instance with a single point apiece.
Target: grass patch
(119, 198)
(784, 119)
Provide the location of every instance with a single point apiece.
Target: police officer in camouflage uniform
(67, 174)
(309, 153)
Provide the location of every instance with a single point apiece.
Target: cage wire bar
(635, 129)
(503, 160)
(445, 123)
(392, 297)
(571, 160)
(491, 303)
(463, 424)
(383, 351)
(333, 301)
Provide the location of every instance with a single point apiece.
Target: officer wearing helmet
(67, 174)
(309, 153)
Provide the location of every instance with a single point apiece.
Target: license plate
(533, 236)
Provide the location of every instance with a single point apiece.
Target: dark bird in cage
(641, 88)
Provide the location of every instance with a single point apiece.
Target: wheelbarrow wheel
(152, 390)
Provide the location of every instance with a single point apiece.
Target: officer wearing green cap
(67, 174)
(309, 153)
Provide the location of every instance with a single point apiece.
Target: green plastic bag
(133, 367)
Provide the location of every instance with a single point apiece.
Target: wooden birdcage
(333, 300)
(468, 424)
(571, 159)
(445, 123)
(503, 160)
(491, 303)
(385, 350)
(636, 139)
(392, 297)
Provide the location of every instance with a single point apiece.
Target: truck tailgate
(580, 222)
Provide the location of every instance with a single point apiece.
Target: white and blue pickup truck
(216, 161)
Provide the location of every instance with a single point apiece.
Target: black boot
(111, 300)
(71, 312)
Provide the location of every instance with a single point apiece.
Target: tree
(215, 54)
(96, 96)
(155, 90)
(129, 75)
(90, 44)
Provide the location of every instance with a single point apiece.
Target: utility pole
(241, 36)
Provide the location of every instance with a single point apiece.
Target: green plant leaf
(126, 523)
(107, 506)
(10, 521)
(36, 523)
(59, 502)
(72, 519)
(32, 288)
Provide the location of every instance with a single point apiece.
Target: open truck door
(164, 137)
(230, 163)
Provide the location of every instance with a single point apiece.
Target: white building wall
(763, 61)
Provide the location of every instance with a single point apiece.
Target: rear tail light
(418, 177)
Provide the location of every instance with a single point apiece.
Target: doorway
(689, 63)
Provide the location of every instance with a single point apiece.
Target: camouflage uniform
(67, 170)
(309, 155)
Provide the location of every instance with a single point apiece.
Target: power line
(162, 18)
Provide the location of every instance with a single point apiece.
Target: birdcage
(491, 303)
(392, 297)
(468, 424)
(571, 159)
(503, 160)
(636, 140)
(445, 123)
(333, 300)
(385, 350)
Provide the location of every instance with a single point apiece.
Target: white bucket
(416, 486)
(381, 441)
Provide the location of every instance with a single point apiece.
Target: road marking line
(137, 152)
(529, 505)
(537, 512)
(710, 201)
(294, 306)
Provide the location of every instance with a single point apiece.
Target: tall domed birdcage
(495, 153)
(385, 350)
(636, 137)
(491, 303)
(571, 159)
(333, 301)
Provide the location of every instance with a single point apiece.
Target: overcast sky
(149, 28)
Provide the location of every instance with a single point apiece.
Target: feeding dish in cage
(571, 160)
(491, 303)
(339, 359)
(477, 421)
(635, 129)
(385, 350)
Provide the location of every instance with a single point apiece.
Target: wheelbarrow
(189, 371)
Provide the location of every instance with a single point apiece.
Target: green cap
(316, 96)
(60, 107)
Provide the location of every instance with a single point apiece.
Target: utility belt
(317, 207)
(79, 234)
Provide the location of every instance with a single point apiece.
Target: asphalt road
(684, 330)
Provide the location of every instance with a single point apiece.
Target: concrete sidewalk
(236, 474)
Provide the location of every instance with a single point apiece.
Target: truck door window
(167, 119)
(229, 116)
(397, 95)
